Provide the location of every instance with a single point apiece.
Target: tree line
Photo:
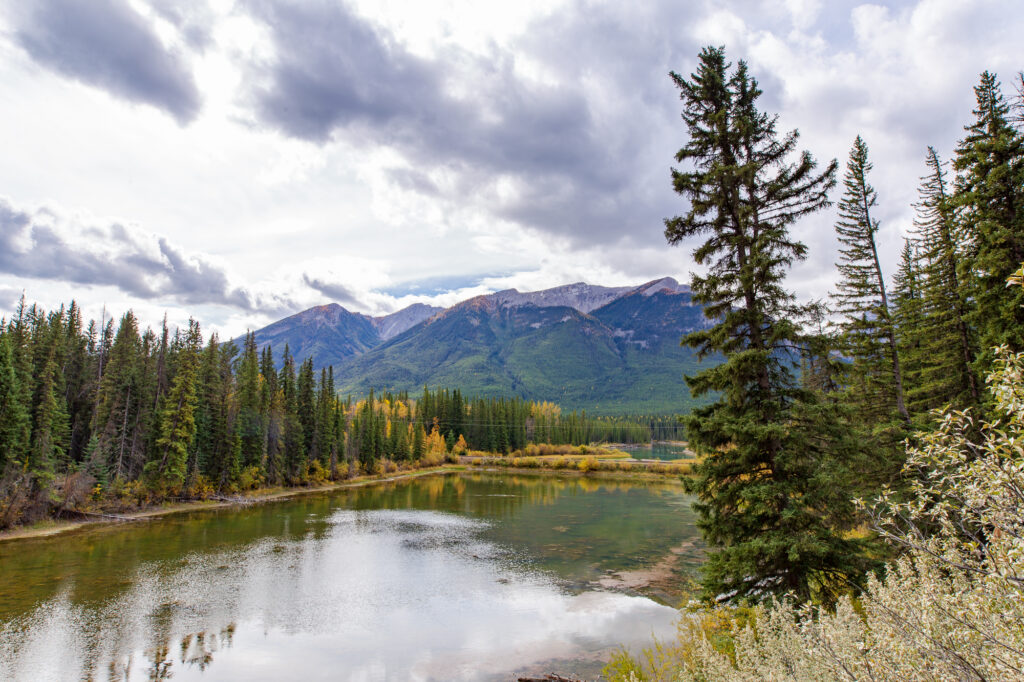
(88, 408)
(814, 400)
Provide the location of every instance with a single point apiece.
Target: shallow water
(657, 450)
(460, 576)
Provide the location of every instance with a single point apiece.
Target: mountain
(331, 335)
(623, 356)
(579, 296)
(394, 324)
(609, 350)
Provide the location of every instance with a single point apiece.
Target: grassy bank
(591, 465)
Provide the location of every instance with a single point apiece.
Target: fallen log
(550, 677)
(232, 500)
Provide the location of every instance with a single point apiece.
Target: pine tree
(868, 336)
(78, 388)
(990, 197)
(119, 400)
(306, 397)
(249, 423)
(272, 411)
(216, 446)
(908, 318)
(177, 419)
(14, 423)
(947, 342)
(50, 429)
(293, 454)
(417, 450)
(767, 494)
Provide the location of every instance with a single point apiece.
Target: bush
(250, 478)
(316, 473)
(201, 489)
(951, 607)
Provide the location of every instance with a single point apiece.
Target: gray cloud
(115, 256)
(576, 172)
(107, 44)
(588, 158)
(338, 293)
(193, 19)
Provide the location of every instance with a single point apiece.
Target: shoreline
(51, 527)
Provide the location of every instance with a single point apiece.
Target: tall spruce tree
(947, 344)
(14, 422)
(767, 498)
(120, 401)
(990, 197)
(293, 452)
(177, 419)
(908, 318)
(867, 333)
(249, 423)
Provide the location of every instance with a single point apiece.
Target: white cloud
(371, 209)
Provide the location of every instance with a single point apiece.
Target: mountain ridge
(605, 349)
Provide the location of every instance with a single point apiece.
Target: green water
(656, 450)
(460, 576)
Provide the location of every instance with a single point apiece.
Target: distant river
(444, 577)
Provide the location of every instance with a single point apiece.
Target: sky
(238, 161)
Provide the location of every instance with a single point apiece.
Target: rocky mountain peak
(390, 326)
(579, 295)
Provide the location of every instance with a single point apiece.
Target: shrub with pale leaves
(950, 608)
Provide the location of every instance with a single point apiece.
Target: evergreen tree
(868, 335)
(768, 495)
(216, 445)
(990, 197)
(947, 342)
(14, 423)
(119, 401)
(417, 449)
(249, 423)
(908, 318)
(78, 383)
(177, 419)
(293, 454)
(306, 405)
(272, 411)
(50, 429)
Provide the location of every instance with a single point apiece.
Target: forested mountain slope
(604, 349)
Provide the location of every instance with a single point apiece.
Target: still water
(459, 576)
(657, 450)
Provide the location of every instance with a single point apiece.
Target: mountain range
(609, 350)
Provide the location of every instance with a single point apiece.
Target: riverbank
(550, 467)
(56, 526)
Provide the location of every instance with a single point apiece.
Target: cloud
(552, 156)
(107, 44)
(338, 293)
(9, 297)
(42, 245)
(193, 19)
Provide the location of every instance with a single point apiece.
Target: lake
(459, 576)
(657, 450)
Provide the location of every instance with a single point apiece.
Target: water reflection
(446, 577)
